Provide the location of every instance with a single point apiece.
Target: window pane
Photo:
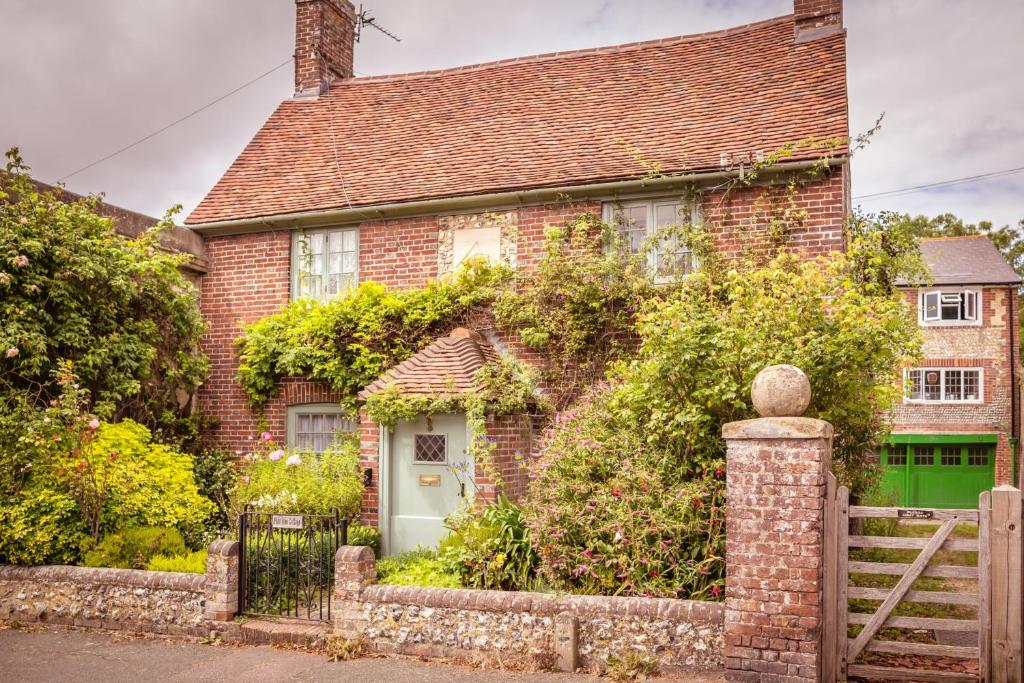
(931, 306)
(430, 448)
(932, 385)
(972, 385)
(924, 455)
(951, 305)
(666, 215)
(316, 243)
(899, 456)
(978, 456)
(950, 455)
(349, 240)
(954, 385)
(970, 304)
(632, 222)
(348, 262)
(914, 384)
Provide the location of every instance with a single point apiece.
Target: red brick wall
(248, 279)
(324, 41)
(984, 346)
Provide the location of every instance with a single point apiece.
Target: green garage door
(939, 471)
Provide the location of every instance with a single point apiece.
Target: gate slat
(928, 623)
(902, 648)
(831, 624)
(932, 597)
(946, 571)
(984, 569)
(909, 543)
(894, 674)
(882, 613)
(938, 515)
(842, 603)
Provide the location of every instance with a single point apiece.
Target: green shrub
(359, 534)
(216, 474)
(134, 548)
(489, 547)
(192, 563)
(275, 480)
(416, 568)
(41, 526)
(73, 289)
(119, 478)
(611, 514)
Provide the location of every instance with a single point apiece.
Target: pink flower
(94, 424)
(20, 261)
(293, 460)
(716, 591)
(276, 455)
(245, 478)
(266, 436)
(13, 352)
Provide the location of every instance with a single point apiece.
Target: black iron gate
(286, 566)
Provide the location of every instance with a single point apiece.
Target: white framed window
(943, 385)
(325, 262)
(949, 307)
(639, 221)
(313, 428)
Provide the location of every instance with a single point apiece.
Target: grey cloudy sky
(81, 78)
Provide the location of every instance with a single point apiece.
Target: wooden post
(830, 627)
(842, 603)
(1005, 584)
(984, 590)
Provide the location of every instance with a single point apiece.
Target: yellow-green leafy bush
(190, 563)
(134, 548)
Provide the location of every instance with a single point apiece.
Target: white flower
(13, 352)
(276, 455)
(293, 460)
(20, 261)
(94, 424)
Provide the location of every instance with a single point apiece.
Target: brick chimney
(816, 18)
(324, 43)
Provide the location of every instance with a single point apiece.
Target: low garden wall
(125, 599)
(121, 599)
(527, 629)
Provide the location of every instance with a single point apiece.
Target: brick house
(956, 431)
(396, 178)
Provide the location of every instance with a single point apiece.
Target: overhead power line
(177, 121)
(942, 183)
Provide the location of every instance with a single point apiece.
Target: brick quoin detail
(775, 477)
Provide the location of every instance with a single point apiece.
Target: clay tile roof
(966, 260)
(445, 367)
(571, 118)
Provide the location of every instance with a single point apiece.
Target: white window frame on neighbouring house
(949, 307)
(328, 273)
(296, 439)
(654, 211)
(951, 381)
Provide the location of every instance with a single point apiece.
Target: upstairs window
(950, 307)
(639, 222)
(943, 385)
(325, 263)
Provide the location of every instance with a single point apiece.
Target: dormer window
(950, 307)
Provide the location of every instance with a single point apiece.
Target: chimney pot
(324, 44)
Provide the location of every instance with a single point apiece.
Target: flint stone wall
(120, 599)
(510, 627)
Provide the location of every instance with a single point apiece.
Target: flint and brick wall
(681, 636)
(169, 603)
(987, 346)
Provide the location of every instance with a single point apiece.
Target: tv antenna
(366, 19)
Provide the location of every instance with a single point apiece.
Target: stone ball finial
(781, 391)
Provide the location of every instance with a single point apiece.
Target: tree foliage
(72, 289)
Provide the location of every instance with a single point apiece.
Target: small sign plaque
(914, 514)
(430, 480)
(286, 521)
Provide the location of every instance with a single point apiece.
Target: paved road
(69, 656)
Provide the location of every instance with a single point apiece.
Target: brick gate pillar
(776, 470)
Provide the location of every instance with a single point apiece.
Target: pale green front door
(430, 475)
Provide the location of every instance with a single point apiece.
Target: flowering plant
(275, 479)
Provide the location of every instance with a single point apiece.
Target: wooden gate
(916, 594)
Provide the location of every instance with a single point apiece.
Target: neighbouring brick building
(397, 178)
(956, 431)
